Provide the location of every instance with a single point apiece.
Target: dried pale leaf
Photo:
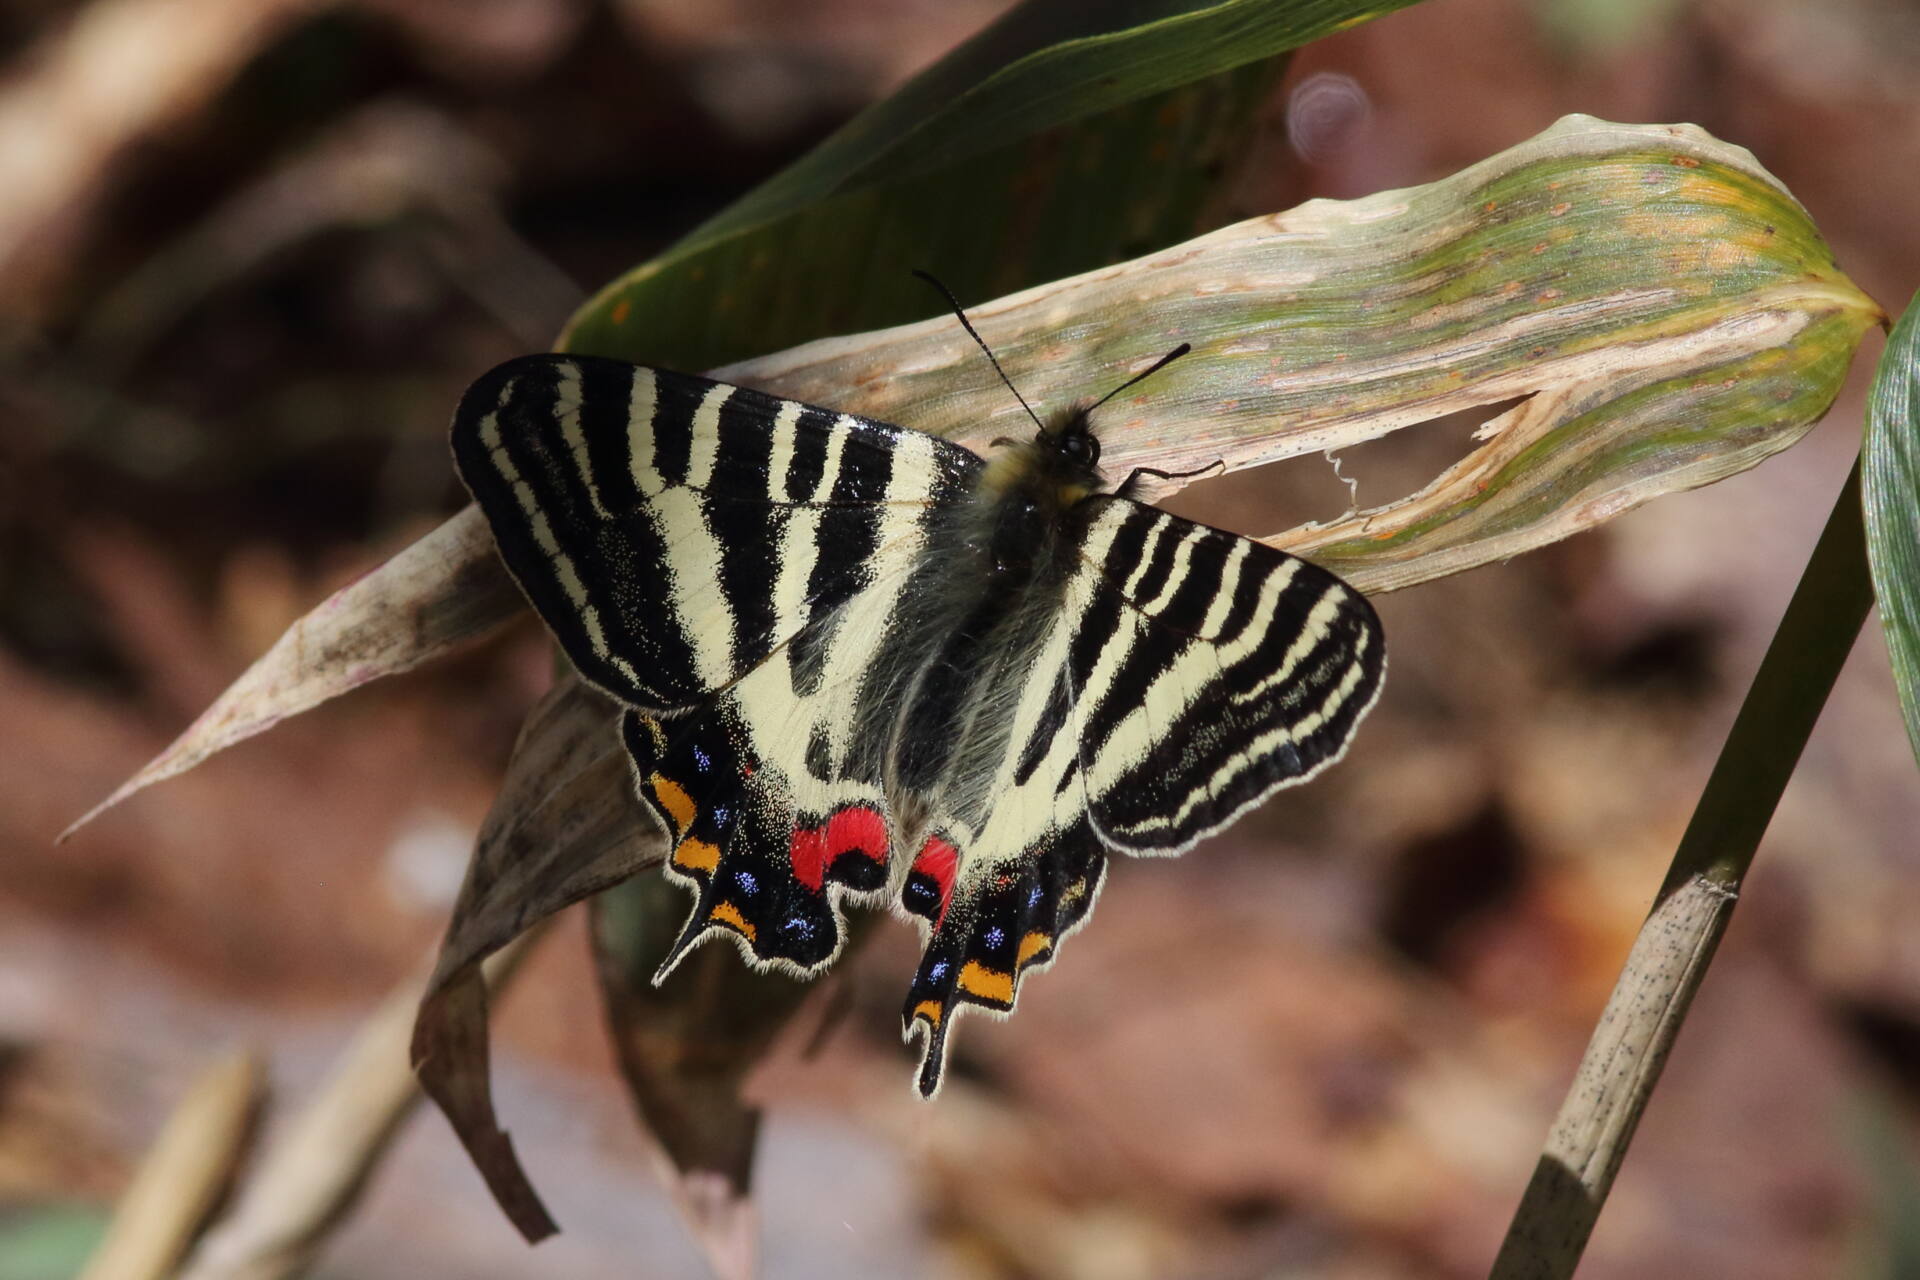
(686, 1047)
(1668, 307)
(445, 590)
(565, 825)
(184, 1174)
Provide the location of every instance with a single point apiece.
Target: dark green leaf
(1890, 492)
(1062, 138)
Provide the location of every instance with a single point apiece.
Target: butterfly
(859, 663)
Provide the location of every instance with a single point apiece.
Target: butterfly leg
(1131, 486)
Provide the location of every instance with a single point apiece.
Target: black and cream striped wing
(1208, 671)
(729, 566)
(1189, 674)
(674, 531)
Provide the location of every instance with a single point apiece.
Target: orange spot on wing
(674, 799)
(696, 855)
(729, 915)
(1034, 944)
(987, 984)
(930, 1010)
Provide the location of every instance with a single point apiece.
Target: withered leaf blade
(687, 1046)
(1665, 306)
(446, 590)
(565, 826)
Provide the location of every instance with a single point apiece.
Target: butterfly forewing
(1210, 669)
(674, 531)
(826, 658)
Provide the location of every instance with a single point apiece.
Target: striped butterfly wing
(817, 666)
(674, 531)
(727, 564)
(1211, 671)
(1190, 673)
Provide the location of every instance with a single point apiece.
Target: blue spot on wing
(748, 881)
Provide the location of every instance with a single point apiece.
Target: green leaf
(1061, 138)
(1890, 492)
(50, 1242)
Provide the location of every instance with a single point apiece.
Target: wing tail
(1000, 923)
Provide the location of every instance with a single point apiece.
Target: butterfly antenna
(972, 333)
(1148, 372)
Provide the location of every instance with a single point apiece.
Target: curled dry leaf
(685, 1049)
(565, 825)
(1667, 308)
(444, 590)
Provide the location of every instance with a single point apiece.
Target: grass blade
(1669, 959)
(1890, 488)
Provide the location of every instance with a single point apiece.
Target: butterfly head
(1058, 467)
(1067, 455)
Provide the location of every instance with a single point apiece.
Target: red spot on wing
(808, 854)
(939, 860)
(857, 830)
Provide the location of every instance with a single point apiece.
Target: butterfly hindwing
(1007, 919)
(761, 868)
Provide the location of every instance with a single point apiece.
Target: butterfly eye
(1080, 446)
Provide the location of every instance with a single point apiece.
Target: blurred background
(252, 250)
